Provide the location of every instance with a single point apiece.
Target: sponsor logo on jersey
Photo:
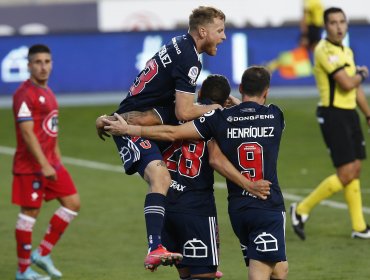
(250, 118)
(50, 124)
(193, 75)
(178, 51)
(24, 111)
(176, 186)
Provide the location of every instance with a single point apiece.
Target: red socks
(23, 237)
(58, 223)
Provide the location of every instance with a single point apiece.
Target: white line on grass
(116, 168)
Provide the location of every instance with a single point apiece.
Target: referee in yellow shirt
(339, 83)
(312, 21)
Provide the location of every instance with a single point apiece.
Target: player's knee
(160, 184)
(280, 272)
(72, 202)
(31, 212)
(349, 172)
(347, 175)
(346, 178)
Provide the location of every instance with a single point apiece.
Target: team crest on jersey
(50, 124)
(193, 74)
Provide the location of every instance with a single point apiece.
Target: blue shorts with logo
(196, 237)
(136, 153)
(261, 234)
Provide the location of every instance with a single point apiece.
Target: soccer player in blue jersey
(191, 219)
(249, 135)
(190, 224)
(169, 76)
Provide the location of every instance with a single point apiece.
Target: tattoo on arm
(141, 118)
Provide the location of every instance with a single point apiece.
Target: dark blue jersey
(249, 135)
(191, 190)
(175, 67)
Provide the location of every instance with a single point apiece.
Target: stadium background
(98, 47)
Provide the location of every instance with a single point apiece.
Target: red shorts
(29, 190)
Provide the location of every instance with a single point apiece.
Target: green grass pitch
(107, 240)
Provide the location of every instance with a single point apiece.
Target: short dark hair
(216, 88)
(255, 80)
(332, 10)
(38, 48)
(204, 15)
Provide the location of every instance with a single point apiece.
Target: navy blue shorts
(136, 153)
(261, 234)
(196, 237)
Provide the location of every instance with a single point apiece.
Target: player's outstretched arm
(222, 165)
(134, 117)
(186, 109)
(159, 132)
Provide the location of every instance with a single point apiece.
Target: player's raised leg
(159, 180)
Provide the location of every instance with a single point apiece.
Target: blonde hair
(203, 15)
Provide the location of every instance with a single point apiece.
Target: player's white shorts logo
(50, 124)
(266, 242)
(125, 154)
(195, 249)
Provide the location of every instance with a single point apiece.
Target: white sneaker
(30, 274)
(365, 234)
(45, 263)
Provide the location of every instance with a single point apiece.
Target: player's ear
(240, 88)
(266, 93)
(202, 32)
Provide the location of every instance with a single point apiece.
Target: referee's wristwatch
(362, 75)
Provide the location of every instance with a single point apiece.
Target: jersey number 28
(190, 160)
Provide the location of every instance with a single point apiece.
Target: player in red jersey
(38, 172)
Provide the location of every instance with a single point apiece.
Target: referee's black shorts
(342, 133)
